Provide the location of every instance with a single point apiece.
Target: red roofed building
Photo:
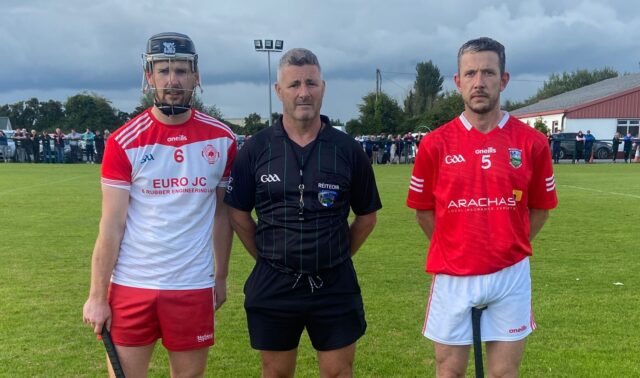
(604, 107)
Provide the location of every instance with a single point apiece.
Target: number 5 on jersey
(178, 156)
(486, 162)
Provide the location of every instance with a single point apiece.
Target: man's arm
(537, 217)
(360, 229)
(222, 240)
(427, 221)
(115, 202)
(244, 225)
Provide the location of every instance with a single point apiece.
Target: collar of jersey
(469, 126)
(279, 128)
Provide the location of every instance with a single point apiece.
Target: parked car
(602, 149)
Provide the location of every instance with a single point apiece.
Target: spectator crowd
(390, 149)
(57, 147)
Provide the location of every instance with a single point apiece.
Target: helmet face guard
(169, 47)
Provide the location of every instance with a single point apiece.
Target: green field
(587, 321)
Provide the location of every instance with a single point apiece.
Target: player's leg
(338, 362)
(336, 320)
(134, 360)
(186, 319)
(504, 357)
(448, 321)
(451, 360)
(134, 327)
(275, 318)
(188, 364)
(278, 364)
(508, 320)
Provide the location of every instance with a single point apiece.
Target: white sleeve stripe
(130, 139)
(131, 133)
(551, 188)
(415, 189)
(116, 184)
(129, 129)
(213, 122)
(416, 179)
(549, 179)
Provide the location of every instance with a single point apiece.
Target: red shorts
(183, 319)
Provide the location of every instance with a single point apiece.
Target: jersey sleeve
(364, 198)
(231, 155)
(116, 167)
(423, 178)
(241, 184)
(542, 188)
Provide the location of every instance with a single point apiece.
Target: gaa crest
(211, 154)
(515, 157)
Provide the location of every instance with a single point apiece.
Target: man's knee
(341, 371)
(337, 363)
(504, 358)
(448, 368)
(278, 364)
(451, 360)
(189, 364)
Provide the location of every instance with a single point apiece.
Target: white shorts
(507, 293)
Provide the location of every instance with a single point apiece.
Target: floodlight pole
(269, 46)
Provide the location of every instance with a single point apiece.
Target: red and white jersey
(171, 173)
(481, 187)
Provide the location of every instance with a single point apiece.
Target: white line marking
(601, 191)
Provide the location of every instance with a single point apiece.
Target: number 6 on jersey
(178, 156)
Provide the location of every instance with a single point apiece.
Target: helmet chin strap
(172, 109)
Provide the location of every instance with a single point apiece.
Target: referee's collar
(279, 128)
(469, 126)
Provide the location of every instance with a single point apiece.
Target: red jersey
(481, 187)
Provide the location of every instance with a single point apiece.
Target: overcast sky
(55, 49)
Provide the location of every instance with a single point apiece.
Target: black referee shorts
(281, 305)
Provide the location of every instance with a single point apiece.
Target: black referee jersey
(302, 195)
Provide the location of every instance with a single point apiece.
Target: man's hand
(97, 313)
(219, 293)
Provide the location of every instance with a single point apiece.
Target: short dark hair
(298, 57)
(484, 44)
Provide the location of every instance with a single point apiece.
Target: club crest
(211, 154)
(169, 48)
(327, 197)
(515, 157)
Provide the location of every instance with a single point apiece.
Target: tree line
(427, 106)
(424, 108)
(81, 111)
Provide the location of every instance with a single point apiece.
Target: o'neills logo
(484, 151)
(179, 138)
(464, 203)
(518, 330)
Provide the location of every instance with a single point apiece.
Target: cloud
(61, 48)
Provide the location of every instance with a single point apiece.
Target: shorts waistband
(314, 279)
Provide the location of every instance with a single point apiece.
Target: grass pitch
(585, 281)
